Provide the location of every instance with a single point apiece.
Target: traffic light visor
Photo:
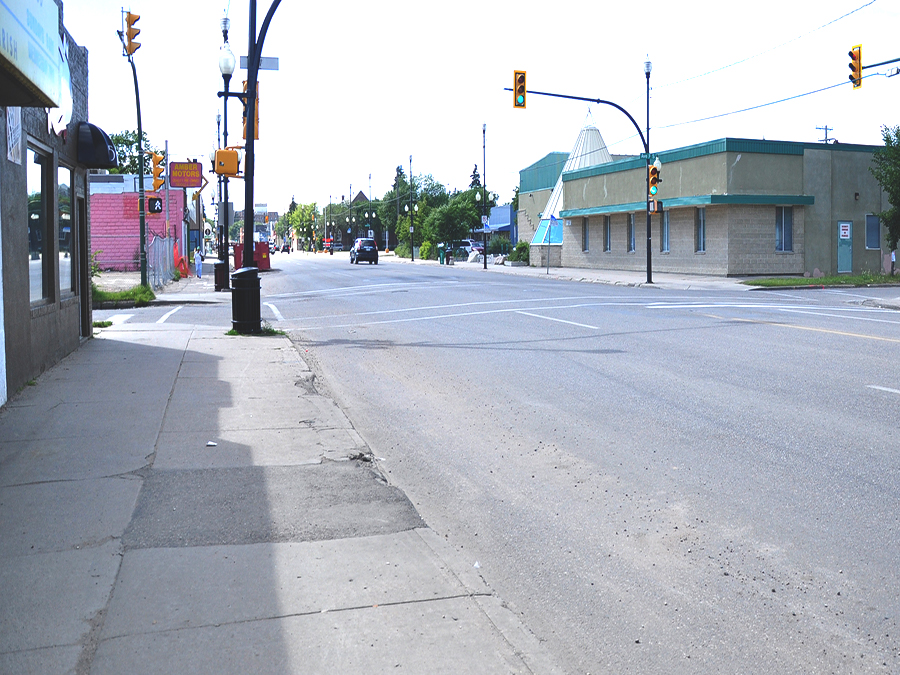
(131, 32)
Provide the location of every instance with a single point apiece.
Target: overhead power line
(755, 107)
(765, 51)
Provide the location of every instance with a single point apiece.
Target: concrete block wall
(752, 242)
(115, 227)
(740, 240)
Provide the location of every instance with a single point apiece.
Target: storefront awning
(95, 150)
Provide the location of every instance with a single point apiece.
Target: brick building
(115, 219)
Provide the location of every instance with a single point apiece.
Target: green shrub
(402, 250)
(426, 251)
(521, 252)
(498, 245)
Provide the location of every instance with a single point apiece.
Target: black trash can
(221, 277)
(245, 300)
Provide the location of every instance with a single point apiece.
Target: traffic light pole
(645, 141)
(141, 200)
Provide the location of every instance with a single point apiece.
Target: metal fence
(160, 261)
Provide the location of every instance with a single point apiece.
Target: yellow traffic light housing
(157, 170)
(131, 32)
(519, 89)
(227, 161)
(653, 177)
(255, 113)
(856, 66)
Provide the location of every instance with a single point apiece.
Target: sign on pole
(185, 174)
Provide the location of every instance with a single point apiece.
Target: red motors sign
(185, 174)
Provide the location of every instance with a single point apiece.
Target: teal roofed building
(731, 207)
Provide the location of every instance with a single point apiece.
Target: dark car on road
(286, 247)
(364, 249)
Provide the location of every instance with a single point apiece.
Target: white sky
(364, 85)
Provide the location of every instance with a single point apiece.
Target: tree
(126, 146)
(515, 200)
(451, 221)
(886, 170)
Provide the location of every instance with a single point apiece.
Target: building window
(585, 236)
(664, 233)
(700, 230)
(607, 235)
(64, 227)
(39, 249)
(873, 232)
(784, 228)
(631, 233)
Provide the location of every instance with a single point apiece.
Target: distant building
(503, 222)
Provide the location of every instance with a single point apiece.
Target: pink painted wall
(115, 227)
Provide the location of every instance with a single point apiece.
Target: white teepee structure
(589, 150)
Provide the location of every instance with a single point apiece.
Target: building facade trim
(697, 200)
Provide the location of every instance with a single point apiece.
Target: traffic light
(654, 180)
(131, 32)
(157, 170)
(856, 66)
(227, 161)
(154, 205)
(256, 113)
(519, 89)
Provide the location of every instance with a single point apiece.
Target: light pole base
(221, 275)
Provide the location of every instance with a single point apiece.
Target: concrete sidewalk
(173, 500)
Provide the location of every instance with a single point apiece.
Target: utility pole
(131, 47)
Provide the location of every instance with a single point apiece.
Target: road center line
(818, 330)
(165, 316)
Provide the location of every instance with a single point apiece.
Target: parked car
(364, 249)
(273, 247)
(472, 245)
(338, 245)
(286, 247)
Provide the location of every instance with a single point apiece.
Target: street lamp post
(484, 196)
(226, 67)
(647, 67)
(412, 242)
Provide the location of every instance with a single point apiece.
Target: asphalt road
(658, 481)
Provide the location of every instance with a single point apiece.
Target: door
(845, 247)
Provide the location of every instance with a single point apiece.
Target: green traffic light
(520, 99)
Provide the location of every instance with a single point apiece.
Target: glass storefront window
(65, 229)
(37, 224)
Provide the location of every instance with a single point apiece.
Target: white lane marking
(887, 389)
(119, 319)
(165, 316)
(278, 315)
(571, 323)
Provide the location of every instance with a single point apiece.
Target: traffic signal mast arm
(599, 101)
